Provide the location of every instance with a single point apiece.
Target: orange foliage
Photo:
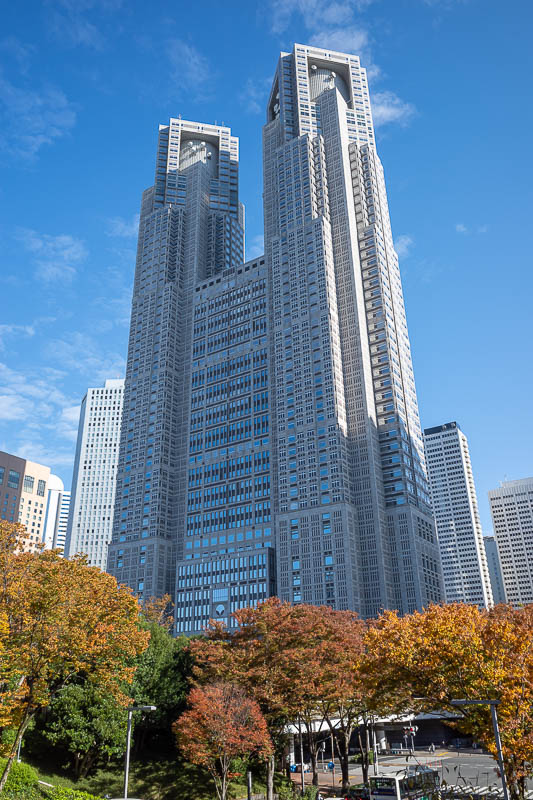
(222, 723)
(60, 618)
(457, 651)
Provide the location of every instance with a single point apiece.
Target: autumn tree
(222, 724)
(63, 620)
(457, 651)
(249, 656)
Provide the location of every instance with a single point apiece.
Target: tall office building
(57, 510)
(511, 507)
(495, 570)
(191, 232)
(350, 490)
(90, 518)
(454, 500)
(271, 428)
(23, 496)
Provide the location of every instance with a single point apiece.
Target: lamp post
(494, 715)
(130, 711)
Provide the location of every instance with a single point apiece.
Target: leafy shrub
(63, 793)
(311, 793)
(21, 778)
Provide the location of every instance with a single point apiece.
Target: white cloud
(403, 245)
(55, 258)
(337, 26)
(14, 330)
(83, 354)
(254, 95)
(31, 118)
(256, 247)
(461, 228)
(482, 229)
(17, 50)
(190, 68)
(387, 107)
(118, 226)
(47, 420)
(69, 23)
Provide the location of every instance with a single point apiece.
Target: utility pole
(496, 728)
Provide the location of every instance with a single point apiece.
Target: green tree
(89, 724)
(162, 679)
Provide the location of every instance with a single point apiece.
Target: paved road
(466, 767)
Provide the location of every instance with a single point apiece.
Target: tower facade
(191, 230)
(91, 507)
(511, 507)
(349, 483)
(495, 570)
(57, 511)
(454, 501)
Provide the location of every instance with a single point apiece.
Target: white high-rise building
(495, 570)
(511, 507)
(454, 499)
(57, 510)
(90, 519)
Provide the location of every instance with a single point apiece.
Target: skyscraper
(495, 569)
(191, 230)
(454, 500)
(511, 506)
(353, 518)
(57, 510)
(271, 439)
(93, 480)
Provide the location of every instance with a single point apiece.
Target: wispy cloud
(72, 22)
(253, 96)
(338, 25)
(190, 68)
(387, 107)
(81, 353)
(7, 331)
(17, 50)
(120, 227)
(460, 227)
(41, 410)
(31, 118)
(55, 258)
(256, 247)
(403, 245)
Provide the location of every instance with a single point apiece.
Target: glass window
(13, 479)
(41, 486)
(28, 483)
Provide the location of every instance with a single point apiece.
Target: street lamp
(492, 704)
(130, 711)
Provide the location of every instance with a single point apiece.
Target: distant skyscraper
(350, 490)
(495, 570)
(23, 496)
(93, 481)
(454, 499)
(511, 507)
(57, 509)
(271, 429)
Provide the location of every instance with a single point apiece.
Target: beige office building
(23, 496)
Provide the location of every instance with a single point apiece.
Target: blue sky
(83, 86)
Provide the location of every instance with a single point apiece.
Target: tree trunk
(270, 778)
(364, 759)
(344, 753)
(26, 717)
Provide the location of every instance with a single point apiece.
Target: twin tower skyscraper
(271, 441)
